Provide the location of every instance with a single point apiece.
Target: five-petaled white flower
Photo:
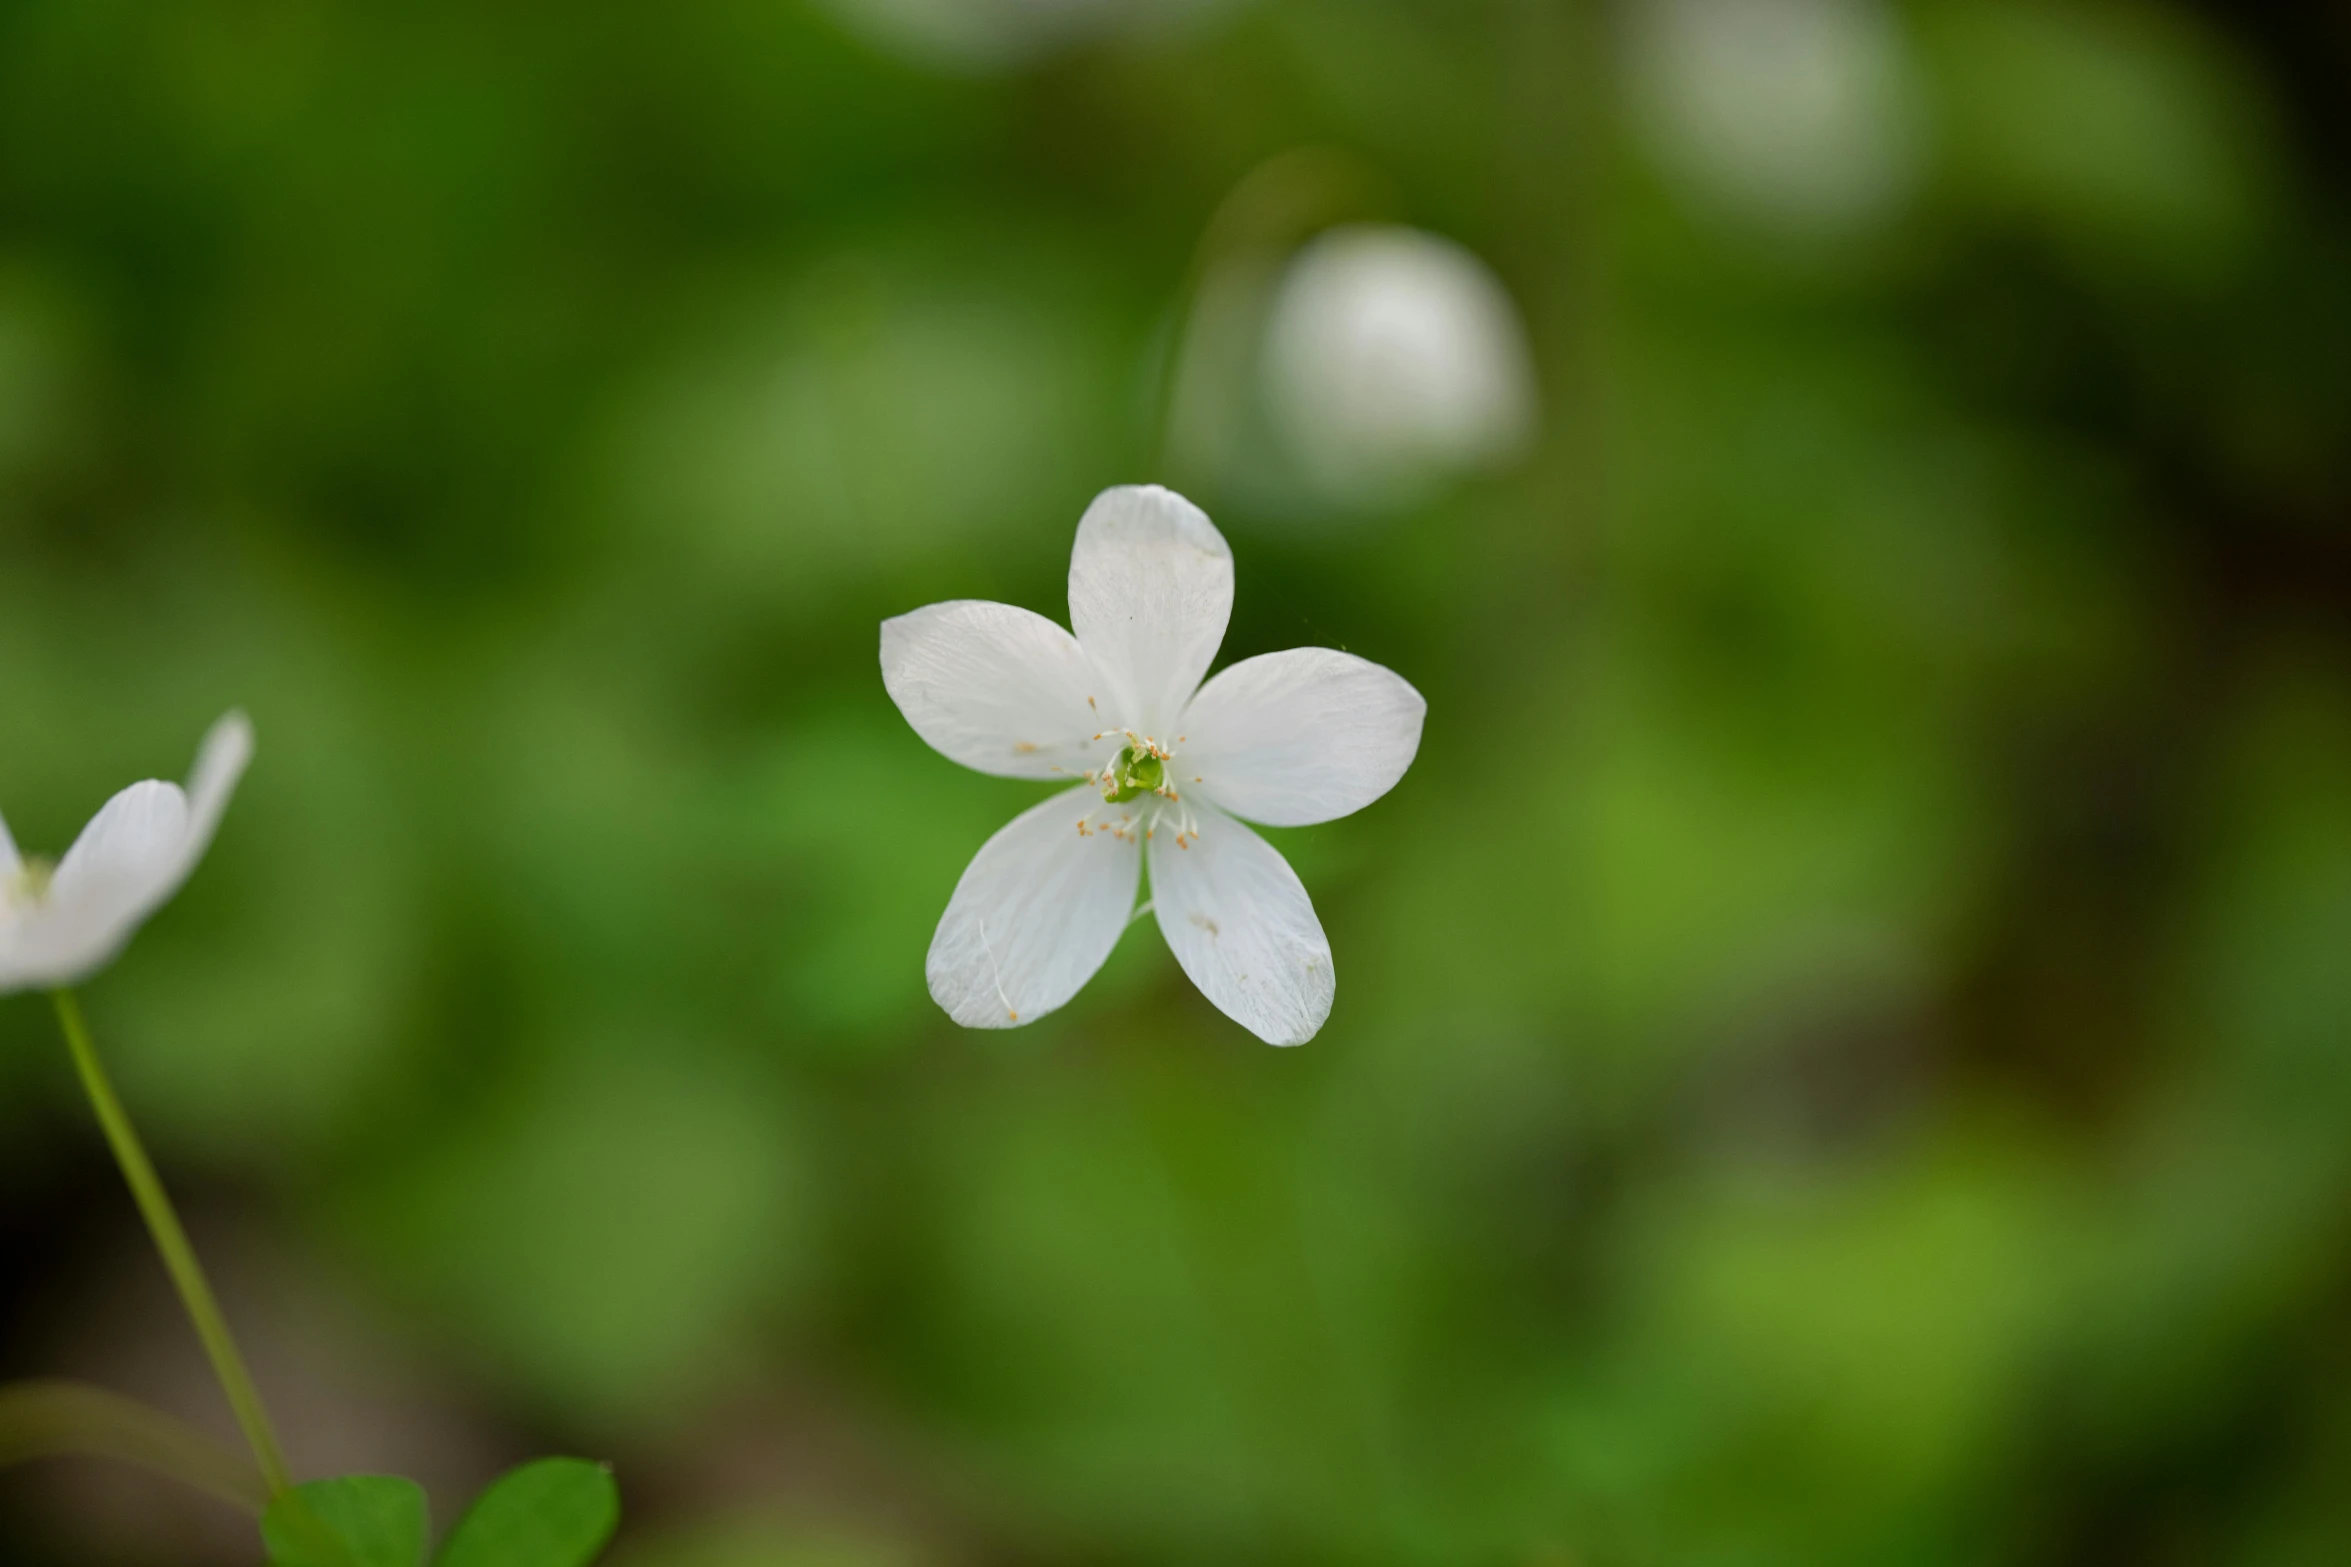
(1162, 766)
(60, 925)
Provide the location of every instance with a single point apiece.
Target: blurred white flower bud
(1394, 359)
(1801, 111)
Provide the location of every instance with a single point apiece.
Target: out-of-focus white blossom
(1393, 359)
(994, 34)
(59, 925)
(1799, 111)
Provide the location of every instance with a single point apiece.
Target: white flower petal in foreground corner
(1164, 765)
(59, 926)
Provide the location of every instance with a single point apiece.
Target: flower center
(1139, 769)
(30, 884)
(1134, 773)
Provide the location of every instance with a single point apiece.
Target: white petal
(227, 749)
(124, 863)
(1243, 928)
(996, 688)
(1037, 912)
(133, 855)
(14, 917)
(1150, 590)
(17, 970)
(1290, 739)
(130, 850)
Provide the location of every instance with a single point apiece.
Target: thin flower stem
(56, 1419)
(178, 1256)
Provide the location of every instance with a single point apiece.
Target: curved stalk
(59, 1419)
(187, 1274)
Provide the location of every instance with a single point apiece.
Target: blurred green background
(1843, 1050)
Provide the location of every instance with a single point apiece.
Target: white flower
(1162, 766)
(59, 926)
(1803, 111)
(1394, 359)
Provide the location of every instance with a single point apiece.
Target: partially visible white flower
(994, 34)
(1802, 111)
(1394, 359)
(60, 925)
(1162, 768)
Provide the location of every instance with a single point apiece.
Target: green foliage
(355, 1521)
(552, 1512)
(603, 1225)
(2127, 131)
(1840, 1045)
(759, 1542)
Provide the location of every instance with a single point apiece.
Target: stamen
(1146, 744)
(1159, 806)
(1123, 827)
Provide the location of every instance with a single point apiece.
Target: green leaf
(356, 1521)
(552, 1512)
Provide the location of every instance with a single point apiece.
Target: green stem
(178, 1256)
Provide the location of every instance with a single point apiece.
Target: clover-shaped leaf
(355, 1521)
(551, 1512)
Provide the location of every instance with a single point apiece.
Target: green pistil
(30, 884)
(1132, 775)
